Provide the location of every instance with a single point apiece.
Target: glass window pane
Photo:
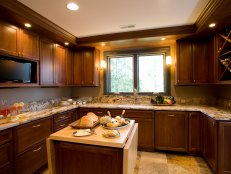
(151, 73)
(121, 74)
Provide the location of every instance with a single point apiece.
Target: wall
(33, 94)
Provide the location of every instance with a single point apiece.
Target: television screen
(15, 71)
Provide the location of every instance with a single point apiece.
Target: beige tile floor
(168, 163)
(162, 163)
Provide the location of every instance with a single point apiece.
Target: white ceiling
(96, 17)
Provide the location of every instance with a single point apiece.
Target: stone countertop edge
(214, 112)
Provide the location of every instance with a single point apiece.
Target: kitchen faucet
(135, 93)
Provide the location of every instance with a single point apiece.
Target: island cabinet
(224, 144)
(191, 55)
(210, 150)
(6, 157)
(171, 130)
(30, 146)
(145, 120)
(18, 42)
(63, 119)
(86, 67)
(195, 138)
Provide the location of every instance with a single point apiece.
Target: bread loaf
(93, 116)
(86, 121)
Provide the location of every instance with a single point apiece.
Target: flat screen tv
(16, 71)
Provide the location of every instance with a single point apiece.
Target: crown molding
(185, 29)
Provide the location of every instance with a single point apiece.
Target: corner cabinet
(171, 130)
(86, 67)
(192, 55)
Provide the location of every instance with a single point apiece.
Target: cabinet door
(171, 130)
(195, 132)
(9, 40)
(32, 160)
(5, 136)
(60, 65)
(184, 62)
(145, 120)
(46, 63)
(88, 64)
(211, 143)
(69, 67)
(29, 44)
(6, 155)
(78, 68)
(200, 61)
(224, 166)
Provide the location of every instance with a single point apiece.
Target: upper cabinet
(69, 67)
(192, 61)
(86, 67)
(18, 42)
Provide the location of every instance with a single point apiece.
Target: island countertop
(66, 134)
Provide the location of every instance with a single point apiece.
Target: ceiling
(98, 17)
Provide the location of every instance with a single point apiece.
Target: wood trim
(185, 29)
(20, 10)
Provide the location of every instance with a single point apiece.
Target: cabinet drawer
(61, 117)
(32, 159)
(29, 134)
(6, 155)
(5, 136)
(62, 124)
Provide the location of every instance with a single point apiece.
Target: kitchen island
(94, 153)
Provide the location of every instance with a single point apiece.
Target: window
(145, 72)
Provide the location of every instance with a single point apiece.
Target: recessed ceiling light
(66, 43)
(72, 6)
(212, 25)
(27, 25)
(163, 38)
(127, 26)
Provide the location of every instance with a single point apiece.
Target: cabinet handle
(37, 149)
(62, 125)
(99, 112)
(171, 115)
(37, 126)
(63, 117)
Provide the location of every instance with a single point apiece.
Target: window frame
(165, 51)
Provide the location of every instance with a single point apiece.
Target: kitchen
(192, 84)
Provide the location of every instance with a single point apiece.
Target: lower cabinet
(96, 111)
(224, 148)
(145, 120)
(171, 130)
(6, 154)
(211, 142)
(83, 159)
(195, 133)
(29, 145)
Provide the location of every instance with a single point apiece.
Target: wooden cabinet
(210, 142)
(46, 63)
(64, 119)
(83, 159)
(6, 151)
(59, 65)
(171, 130)
(96, 111)
(224, 151)
(9, 40)
(69, 67)
(145, 120)
(195, 132)
(18, 42)
(86, 67)
(191, 55)
(29, 45)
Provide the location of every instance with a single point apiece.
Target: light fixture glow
(102, 44)
(27, 25)
(72, 6)
(163, 38)
(168, 60)
(102, 64)
(66, 43)
(212, 25)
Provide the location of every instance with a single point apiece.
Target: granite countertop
(66, 134)
(219, 114)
